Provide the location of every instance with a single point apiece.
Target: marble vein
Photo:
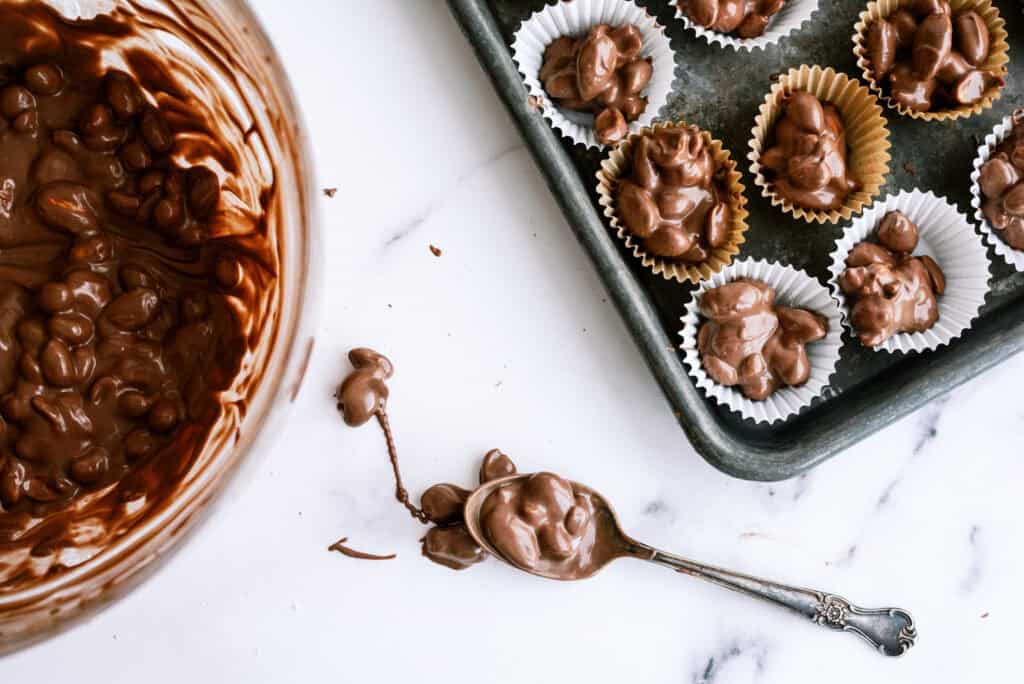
(420, 218)
(711, 669)
(974, 570)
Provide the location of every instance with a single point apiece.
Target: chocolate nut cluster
(449, 543)
(1002, 185)
(541, 523)
(115, 330)
(673, 198)
(743, 18)
(930, 57)
(749, 342)
(806, 162)
(364, 392)
(891, 290)
(602, 73)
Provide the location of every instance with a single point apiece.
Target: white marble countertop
(507, 340)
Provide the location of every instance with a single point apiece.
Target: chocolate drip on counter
(363, 395)
(530, 522)
(340, 547)
(450, 543)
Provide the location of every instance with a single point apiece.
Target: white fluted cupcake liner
(793, 288)
(948, 237)
(793, 15)
(1014, 257)
(574, 18)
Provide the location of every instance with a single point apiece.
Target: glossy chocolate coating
(889, 290)
(672, 198)
(1002, 187)
(743, 18)
(602, 73)
(452, 547)
(806, 160)
(363, 395)
(928, 57)
(122, 313)
(549, 525)
(749, 342)
(450, 544)
(364, 392)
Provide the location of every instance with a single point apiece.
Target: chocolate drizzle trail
(136, 273)
(340, 547)
(364, 394)
(542, 523)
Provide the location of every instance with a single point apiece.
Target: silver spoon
(890, 630)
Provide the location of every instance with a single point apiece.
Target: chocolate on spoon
(555, 528)
(552, 527)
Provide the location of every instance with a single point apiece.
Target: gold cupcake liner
(619, 161)
(998, 56)
(867, 138)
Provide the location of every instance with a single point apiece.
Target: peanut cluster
(1002, 184)
(744, 18)
(930, 57)
(601, 73)
(747, 341)
(674, 198)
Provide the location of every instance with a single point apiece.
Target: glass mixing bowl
(223, 54)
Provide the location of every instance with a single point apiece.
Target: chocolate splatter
(340, 547)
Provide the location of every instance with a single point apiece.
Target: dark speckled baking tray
(720, 90)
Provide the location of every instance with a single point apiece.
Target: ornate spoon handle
(890, 630)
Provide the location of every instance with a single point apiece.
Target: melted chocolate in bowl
(150, 162)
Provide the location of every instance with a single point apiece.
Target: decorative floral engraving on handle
(890, 630)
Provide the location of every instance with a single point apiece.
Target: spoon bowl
(890, 630)
(608, 543)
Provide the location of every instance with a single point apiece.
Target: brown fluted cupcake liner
(618, 163)
(998, 56)
(867, 138)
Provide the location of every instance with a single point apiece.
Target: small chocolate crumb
(984, 615)
(436, 251)
(909, 168)
(330, 192)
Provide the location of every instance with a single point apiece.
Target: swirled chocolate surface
(134, 275)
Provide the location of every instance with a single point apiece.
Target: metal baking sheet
(720, 90)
